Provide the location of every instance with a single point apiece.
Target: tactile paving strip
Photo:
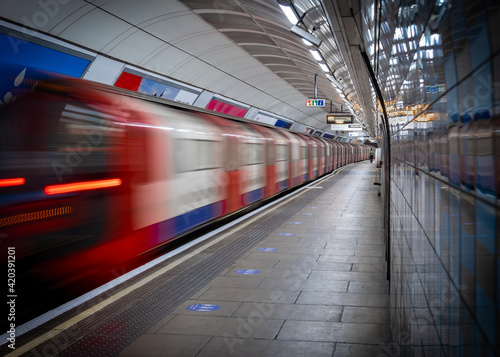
(185, 280)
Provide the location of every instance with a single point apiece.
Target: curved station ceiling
(241, 49)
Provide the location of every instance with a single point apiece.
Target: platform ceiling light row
(291, 13)
(310, 40)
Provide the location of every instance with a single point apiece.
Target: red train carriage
(92, 178)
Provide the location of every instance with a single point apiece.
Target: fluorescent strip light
(289, 14)
(316, 55)
(307, 42)
(324, 67)
(306, 35)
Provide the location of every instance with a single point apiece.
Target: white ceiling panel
(44, 19)
(167, 61)
(212, 43)
(174, 28)
(142, 43)
(138, 12)
(198, 73)
(100, 27)
(240, 66)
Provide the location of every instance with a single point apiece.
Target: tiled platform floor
(319, 288)
(322, 292)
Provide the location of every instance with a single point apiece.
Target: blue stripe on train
(282, 185)
(196, 217)
(253, 196)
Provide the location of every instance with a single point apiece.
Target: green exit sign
(315, 103)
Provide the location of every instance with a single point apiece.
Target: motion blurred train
(93, 177)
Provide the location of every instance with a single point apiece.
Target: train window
(184, 155)
(77, 135)
(194, 155)
(484, 145)
(281, 152)
(79, 122)
(205, 155)
(303, 152)
(64, 123)
(252, 154)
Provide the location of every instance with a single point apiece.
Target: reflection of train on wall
(92, 177)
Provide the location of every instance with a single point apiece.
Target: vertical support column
(315, 86)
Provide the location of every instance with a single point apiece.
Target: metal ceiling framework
(241, 49)
(266, 36)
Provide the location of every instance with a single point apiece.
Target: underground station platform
(303, 276)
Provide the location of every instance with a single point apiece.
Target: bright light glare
(307, 42)
(289, 14)
(81, 186)
(12, 182)
(316, 55)
(324, 67)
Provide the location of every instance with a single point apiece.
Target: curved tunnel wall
(438, 63)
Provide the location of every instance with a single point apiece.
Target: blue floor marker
(286, 234)
(203, 307)
(247, 271)
(268, 249)
(296, 222)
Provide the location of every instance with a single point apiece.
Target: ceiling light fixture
(306, 35)
(324, 67)
(290, 14)
(335, 83)
(316, 55)
(307, 42)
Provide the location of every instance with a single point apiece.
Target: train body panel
(251, 156)
(303, 161)
(312, 154)
(276, 160)
(292, 157)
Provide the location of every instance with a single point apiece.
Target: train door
(283, 161)
(293, 157)
(252, 159)
(312, 157)
(275, 149)
(322, 158)
(303, 159)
